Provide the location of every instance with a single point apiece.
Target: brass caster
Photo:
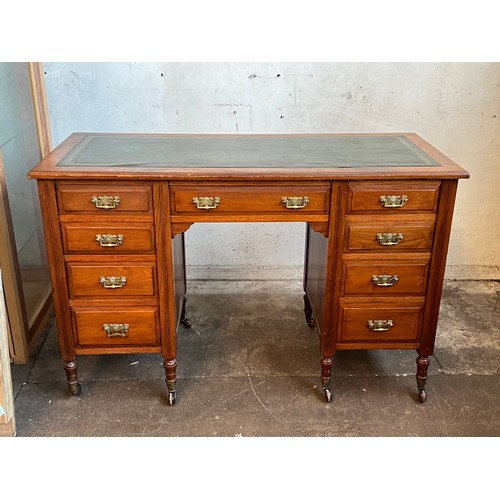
(186, 323)
(328, 395)
(311, 323)
(75, 389)
(422, 395)
(171, 398)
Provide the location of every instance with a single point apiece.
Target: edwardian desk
(115, 207)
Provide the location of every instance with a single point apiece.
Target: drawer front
(116, 327)
(108, 238)
(395, 196)
(104, 199)
(390, 235)
(106, 281)
(380, 324)
(208, 199)
(378, 278)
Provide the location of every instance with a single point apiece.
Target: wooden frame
(7, 418)
(40, 107)
(17, 319)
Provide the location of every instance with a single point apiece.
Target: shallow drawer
(208, 199)
(101, 199)
(394, 196)
(390, 234)
(379, 278)
(101, 281)
(117, 327)
(380, 324)
(108, 238)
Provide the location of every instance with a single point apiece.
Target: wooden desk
(378, 209)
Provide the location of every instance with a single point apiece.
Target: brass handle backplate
(106, 202)
(385, 279)
(206, 202)
(109, 240)
(295, 202)
(393, 201)
(113, 281)
(380, 325)
(115, 329)
(389, 239)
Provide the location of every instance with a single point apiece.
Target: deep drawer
(111, 281)
(122, 327)
(380, 324)
(102, 199)
(389, 234)
(394, 196)
(376, 277)
(207, 199)
(108, 239)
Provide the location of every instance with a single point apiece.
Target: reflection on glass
(20, 152)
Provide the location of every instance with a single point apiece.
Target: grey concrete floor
(249, 366)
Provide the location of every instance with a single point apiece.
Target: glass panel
(20, 151)
(223, 151)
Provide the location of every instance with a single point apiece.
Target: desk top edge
(49, 168)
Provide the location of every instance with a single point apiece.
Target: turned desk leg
(422, 366)
(72, 377)
(170, 366)
(326, 377)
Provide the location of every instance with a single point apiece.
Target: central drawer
(211, 198)
(111, 281)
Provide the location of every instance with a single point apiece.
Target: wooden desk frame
(342, 209)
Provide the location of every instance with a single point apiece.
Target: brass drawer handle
(109, 240)
(295, 202)
(393, 201)
(384, 279)
(206, 202)
(113, 281)
(380, 325)
(106, 202)
(115, 329)
(389, 239)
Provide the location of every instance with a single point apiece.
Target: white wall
(454, 106)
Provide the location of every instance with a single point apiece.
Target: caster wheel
(186, 323)
(311, 323)
(422, 395)
(171, 398)
(328, 395)
(75, 389)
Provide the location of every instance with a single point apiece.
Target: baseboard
(276, 273)
(472, 273)
(243, 273)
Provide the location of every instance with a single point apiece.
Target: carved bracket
(320, 227)
(180, 227)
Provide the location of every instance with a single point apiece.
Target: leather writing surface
(246, 152)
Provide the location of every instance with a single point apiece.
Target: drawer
(108, 238)
(376, 277)
(207, 199)
(102, 199)
(111, 281)
(120, 327)
(379, 323)
(386, 234)
(394, 196)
